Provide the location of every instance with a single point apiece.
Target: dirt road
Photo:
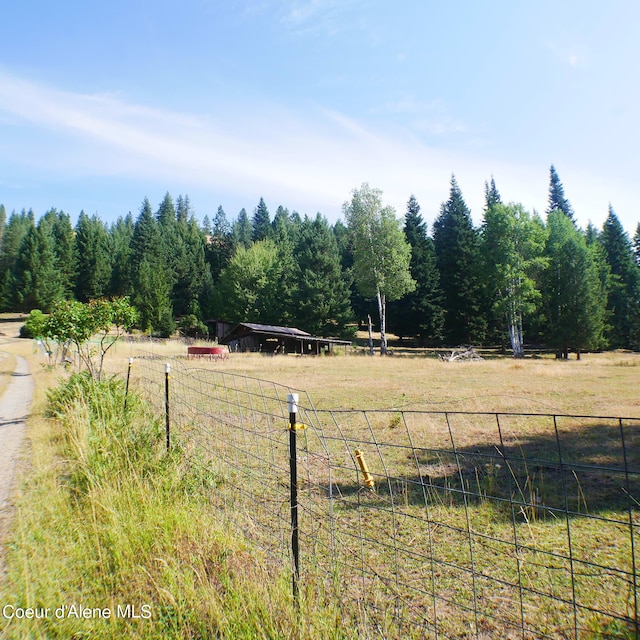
(14, 409)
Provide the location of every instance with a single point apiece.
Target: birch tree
(381, 255)
(513, 246)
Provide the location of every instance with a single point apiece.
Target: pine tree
(191, 270)
(183, 209)
(636, 245)
(221, 245)
(93, 248)
(15, 230)
(623, 298)
(557, 199)
(591, 233)
(151, 281)
(121, 235)
(459, 262)
(420, 312)
(573, 293)
(166, 214)
(37, 280)
(285, 226)
(65, 252)
(321, 302)
(261, 223)
(242, 229)
(491, 195)
(282, 234)
(171, 247)
(24, 272)
(3, 221)
(220, 226)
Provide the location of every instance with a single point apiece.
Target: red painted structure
(213, 353)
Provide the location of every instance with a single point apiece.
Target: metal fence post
(292, 400)
(167, 369)
(126, 389)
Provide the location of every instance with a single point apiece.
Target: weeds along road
(14, 409)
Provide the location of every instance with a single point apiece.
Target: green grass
(110, 522)
(388, 549)
(106, 518)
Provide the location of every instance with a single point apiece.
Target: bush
(34, 327)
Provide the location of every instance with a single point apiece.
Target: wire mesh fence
(425, 524)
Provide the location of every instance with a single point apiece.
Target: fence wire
(459, 524)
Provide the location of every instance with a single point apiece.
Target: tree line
(515, 278)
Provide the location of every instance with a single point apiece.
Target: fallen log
(466, 353)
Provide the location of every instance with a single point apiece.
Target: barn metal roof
(247, 328)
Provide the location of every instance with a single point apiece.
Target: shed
(267, 338)
(218, 328)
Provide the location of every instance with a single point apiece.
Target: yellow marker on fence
(368, 480)
(297, 426)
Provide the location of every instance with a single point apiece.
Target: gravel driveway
(14, 409)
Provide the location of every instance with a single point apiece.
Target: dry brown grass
(599, 384)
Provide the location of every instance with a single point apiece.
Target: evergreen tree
(171, 242)
(321, 302)
(221, 245)
(65, 251)
(121, 236)
(381, 255)
(152, 299)
(557, 199)
(261, 224)
(285, 226)
(221, 226)
(242, 229)
(459, 262)
(491, 195)
(15, 231)
(636, 245)
(166, 214)
(150, 277)
(3, 221)
(24, 273)
(623, 298)
(184, 211)
(591, 234)
(37, 280)
(282, 233)
(420, 312)
(145, 237)
(573, 293)
(93, 248)
(191, 269)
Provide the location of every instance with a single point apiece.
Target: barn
(266, 338)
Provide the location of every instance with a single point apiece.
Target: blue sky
(301, 101)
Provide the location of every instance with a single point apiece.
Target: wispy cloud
(431, 117)
(326, 18)
(316, 157)
(309, 161)
(572, 55)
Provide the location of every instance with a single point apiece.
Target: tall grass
(112, 538)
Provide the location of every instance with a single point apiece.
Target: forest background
(515, 279)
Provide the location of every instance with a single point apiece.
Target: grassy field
(505, 525)
(598, 384)
(127, 548)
